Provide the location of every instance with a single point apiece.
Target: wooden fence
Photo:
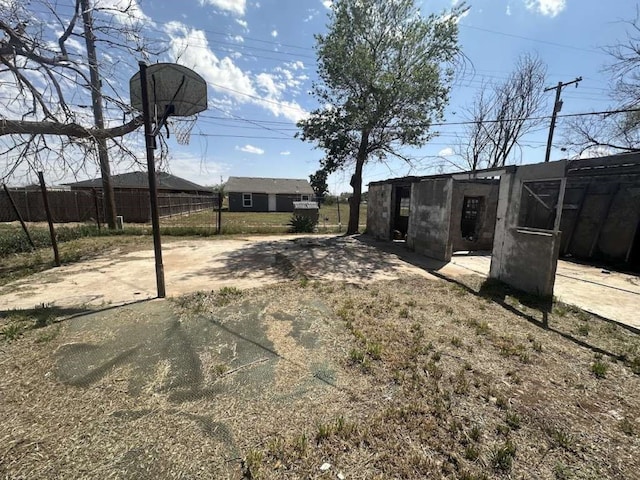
(87, 206)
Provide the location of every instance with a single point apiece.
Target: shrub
(301, 224)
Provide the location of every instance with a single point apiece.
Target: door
(272, 202)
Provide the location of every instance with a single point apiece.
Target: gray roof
(165, 181)
(268, 185)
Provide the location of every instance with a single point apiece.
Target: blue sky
(259, 62)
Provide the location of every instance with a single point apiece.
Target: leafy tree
(384, 78)
(318, 182)
(501, 115)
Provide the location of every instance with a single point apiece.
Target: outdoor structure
(136, 181)
(526, 215)
(252, 194)
(307, 209)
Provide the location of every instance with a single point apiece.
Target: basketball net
(181, 128)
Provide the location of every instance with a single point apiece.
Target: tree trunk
(356, 183)
(96, 97)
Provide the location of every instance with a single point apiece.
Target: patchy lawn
(305, 379)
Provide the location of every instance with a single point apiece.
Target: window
(247, 200)
(469, 225)
(304, 198)
(538, 204)
(405, 203)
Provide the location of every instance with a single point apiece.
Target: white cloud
(508, 12)
(285, 153)
(446, 152)
(327, 4)
(190, 48)
(274, 33)
(234, 6)
(550, 8)
(242, 23)
(239, 38)
(268, 83)
(250, 149)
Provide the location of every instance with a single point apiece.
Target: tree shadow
(336, 257)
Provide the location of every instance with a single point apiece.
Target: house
(136, 181)
(252, 194)
(526, 215)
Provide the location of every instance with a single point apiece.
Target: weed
(436, 356)
(411, 303)
(560, 438)
(324, 432)
(513, 420)
(467, 366)
(433, 370)
(301, 444)
(12, 331)
(252, 462)
(304, 281)
(471, 452)
(561, 471)
(584, 329)
(226, 294)
(374, 349)
(599, 368)
(461, 383)
(537, 346)
(475, 433)
(502, 402)
(482, 328)
(404, 313)
(456, 341)
(501, 457)
(356, 356)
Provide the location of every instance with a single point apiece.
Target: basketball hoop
(181, 128)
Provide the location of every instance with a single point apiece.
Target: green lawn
(261, 222)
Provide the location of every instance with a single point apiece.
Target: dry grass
(426, 380)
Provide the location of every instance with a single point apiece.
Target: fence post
(95, 204)
(219, 223)
(52, 232)
(17, 212)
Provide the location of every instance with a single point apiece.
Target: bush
(301, 224)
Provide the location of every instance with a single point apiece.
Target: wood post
(52, 232)
(96, 206)
(17, 212)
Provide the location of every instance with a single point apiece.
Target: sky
(258, 60)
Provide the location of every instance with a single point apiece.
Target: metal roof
(293, 186)
(165, 181)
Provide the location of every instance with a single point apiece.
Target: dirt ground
(193, 265)
(346, 360)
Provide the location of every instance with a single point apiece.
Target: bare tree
(619, 132)
(501, 115)
(52, 113)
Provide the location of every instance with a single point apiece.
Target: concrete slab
(610, 294)
(208, 264)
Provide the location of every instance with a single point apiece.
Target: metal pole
(52, 232)
(17, 212)
(153, 190)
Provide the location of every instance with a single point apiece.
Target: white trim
(245, 198)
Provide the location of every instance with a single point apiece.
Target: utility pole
(96, 103)
(557, 106)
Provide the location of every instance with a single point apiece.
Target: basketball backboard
(170, 84)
